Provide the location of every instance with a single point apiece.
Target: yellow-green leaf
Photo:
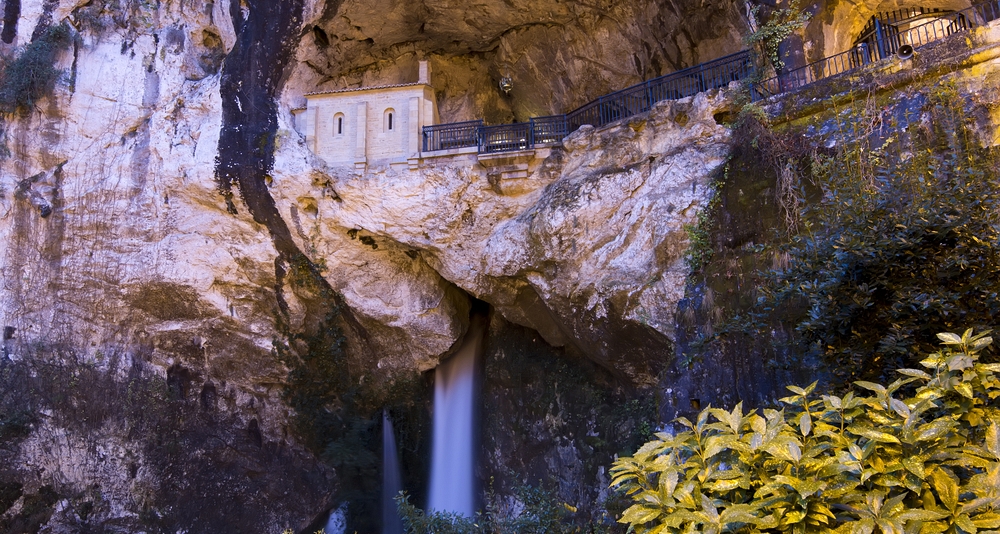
(964, 390)
(805, 423)
(945, 484)
(966, 523)
(871, 386)
(716, 444)
(916, 514)
(987, 520)
(993, 439)
(980, 344)
(914, 373)
(793, 517)
(796, 389)
(668, 482)
(722, 486)
(638, 514)
(947, 338)
(934, 430)
(873, 434)
(899, 407)
(915, 465)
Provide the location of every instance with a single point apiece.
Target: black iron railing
(640, 98)
(880, 39)
(897, 18)
(606, 109)
(885, 47)
(984, 13)
(824, 68)
(505, 137)
(549, 130)
(451, 136)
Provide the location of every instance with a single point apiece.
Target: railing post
(880, 45)
(531, 132)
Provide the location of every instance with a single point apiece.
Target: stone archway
(837, 24)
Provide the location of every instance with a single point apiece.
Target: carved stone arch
(837, 24)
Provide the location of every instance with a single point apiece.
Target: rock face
(558, 54)
(157, 207)
(586, 249)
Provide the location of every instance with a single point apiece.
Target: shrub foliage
(32, 74)
(539, 512)
(874, 461)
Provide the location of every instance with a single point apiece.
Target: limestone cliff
(158, 208)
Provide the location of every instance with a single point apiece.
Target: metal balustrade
(451, 136)
(984, 13)
(896, 18)
(605, 110)
(641, 98)
(548, 130)
(880, 39)
(865, 53)
(845, 61)
(505, 138)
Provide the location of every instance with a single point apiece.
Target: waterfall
(392, 482)
(452, 454)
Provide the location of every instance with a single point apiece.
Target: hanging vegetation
(32, 75)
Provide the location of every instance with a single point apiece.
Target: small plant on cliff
(700, 247)
(32, 74)
(766, 38)
(875, 460)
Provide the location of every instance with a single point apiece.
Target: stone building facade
(369, 125)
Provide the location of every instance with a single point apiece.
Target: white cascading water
(452, 452)
(392, 481)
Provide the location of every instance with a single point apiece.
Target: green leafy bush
(878, 461)
(539, 512)
(417, 521)
(32, 74)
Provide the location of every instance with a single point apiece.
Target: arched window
(338, 124)
(388, 122)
